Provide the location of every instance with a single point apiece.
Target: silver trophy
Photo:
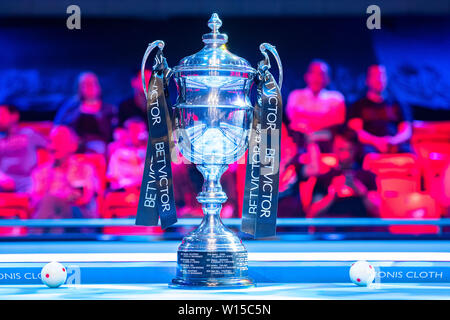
(212, 124)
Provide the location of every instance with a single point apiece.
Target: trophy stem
(212, 195)
(212, 256)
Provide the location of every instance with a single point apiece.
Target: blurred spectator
(345, 191)
(91, 118)
(126, 164)
(314, 109)
(135, 106)
(187, 183)
(18, 148)
(382, 125)
(120, 139)
(64, 187)
(291, 174)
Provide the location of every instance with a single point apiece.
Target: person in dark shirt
(382, 125)
(135, 106)
(347, 190)
(92, 119)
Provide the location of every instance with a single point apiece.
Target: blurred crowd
(321, 123)
(356, 160)
(95, 151)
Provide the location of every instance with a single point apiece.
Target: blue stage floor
(265, 291)
(281, 270)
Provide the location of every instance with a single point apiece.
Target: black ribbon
(263, 159)
(156, 198)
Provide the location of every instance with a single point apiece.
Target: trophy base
(212, 270)
(211, 256)
(201, 284)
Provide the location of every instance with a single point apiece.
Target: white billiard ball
(53, 274)
(362, 273)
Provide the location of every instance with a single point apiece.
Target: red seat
(382, 163)
(431, 142)
(428, 128)
(120, 205)
(435, 175)
(411, 206)
(13, 206)
(396, 173)
(398, 181)
(42, 127)
(124, 205)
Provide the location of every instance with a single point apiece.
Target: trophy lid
(214, 55)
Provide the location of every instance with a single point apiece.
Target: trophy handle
(267, 46)
(151, 46)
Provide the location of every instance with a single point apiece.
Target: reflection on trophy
(213, 120)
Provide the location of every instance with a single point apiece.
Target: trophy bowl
(213, 117)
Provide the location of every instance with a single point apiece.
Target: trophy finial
(214, 23)
(215, 37)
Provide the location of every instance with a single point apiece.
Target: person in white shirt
(312, 111)
(314, 108)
